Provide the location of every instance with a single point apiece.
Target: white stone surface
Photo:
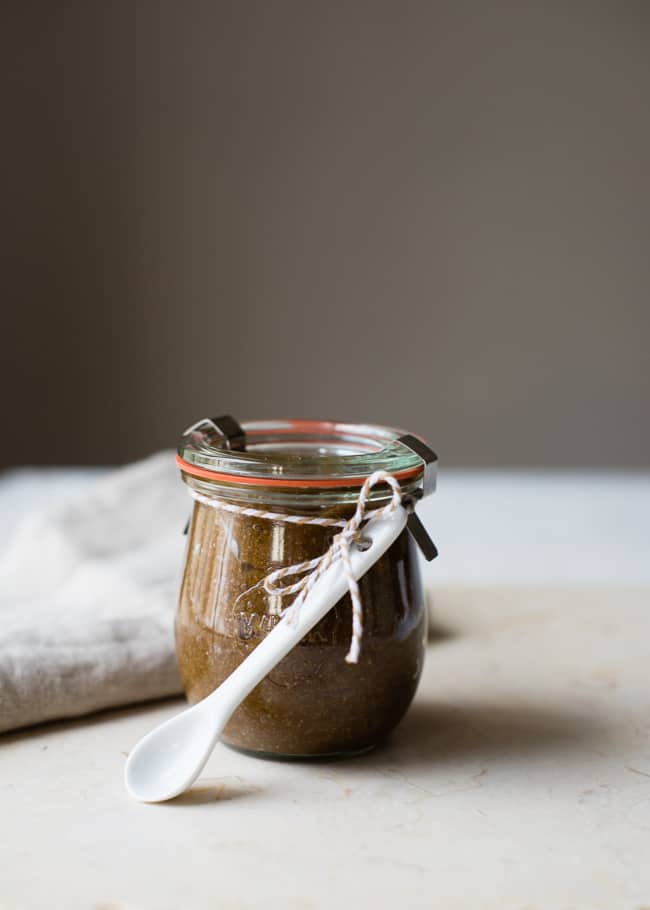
(519, 779)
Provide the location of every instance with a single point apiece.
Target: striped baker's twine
(338, 549)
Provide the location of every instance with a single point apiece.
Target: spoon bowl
(164, 763)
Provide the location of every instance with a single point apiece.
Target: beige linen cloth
(87, 597)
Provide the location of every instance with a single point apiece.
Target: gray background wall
(429, 214)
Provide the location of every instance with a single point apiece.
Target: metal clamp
(428, 456)
(227, 427)
(416, 528)
(232, 430)
(421, 536)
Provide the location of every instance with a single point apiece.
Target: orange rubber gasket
(306, 482)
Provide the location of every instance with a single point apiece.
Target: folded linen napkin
(87, 596)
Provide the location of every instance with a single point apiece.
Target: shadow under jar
(313, 704)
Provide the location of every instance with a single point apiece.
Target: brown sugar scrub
(313, 703)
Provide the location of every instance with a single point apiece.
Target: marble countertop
(519, 779)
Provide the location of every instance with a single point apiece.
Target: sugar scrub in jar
(257, 489)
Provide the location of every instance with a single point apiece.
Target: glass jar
(313, 703)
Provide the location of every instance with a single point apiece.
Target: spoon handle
(327, 590)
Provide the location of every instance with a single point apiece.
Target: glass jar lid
(304, 454)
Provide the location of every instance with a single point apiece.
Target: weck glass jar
(313, 703)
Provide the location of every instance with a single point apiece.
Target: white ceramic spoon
(170, 758)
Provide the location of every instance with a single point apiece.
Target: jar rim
(297, 454)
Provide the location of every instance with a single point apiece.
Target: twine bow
(349, 535)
